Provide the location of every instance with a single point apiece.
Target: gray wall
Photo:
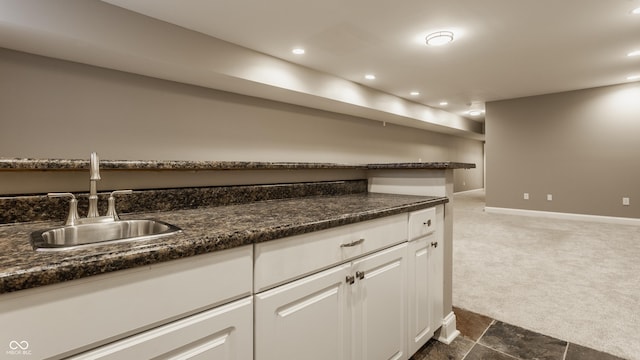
(582, 147)
(58, 109)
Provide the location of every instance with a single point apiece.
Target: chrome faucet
(94, 171)
(92, 215)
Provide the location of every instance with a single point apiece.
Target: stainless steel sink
(100, 233)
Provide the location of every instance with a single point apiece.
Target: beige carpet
(575, 280)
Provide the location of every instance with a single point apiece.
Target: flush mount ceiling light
(633, 77)
(475, 112)
(414, 93)
(476, 108)
(634, 53)
(298, 51)
(370, 77)
(439, 38)
(443, 103)
(636, 11)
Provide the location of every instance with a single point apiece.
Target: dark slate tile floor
(483, 338)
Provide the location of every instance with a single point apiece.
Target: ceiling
(502, 49)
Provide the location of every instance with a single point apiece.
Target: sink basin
(100, 233)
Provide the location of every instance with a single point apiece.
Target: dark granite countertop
(83, 164)
(204, 230)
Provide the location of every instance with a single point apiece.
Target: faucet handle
(73, 217)
(111, 211)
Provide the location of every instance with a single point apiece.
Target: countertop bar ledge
(8, 164)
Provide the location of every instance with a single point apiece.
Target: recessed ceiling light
(414, 93)
(439, 38)
(636, 11)
(370, 77)
(443, 103)
(633, 77)
(634, 53)
(298, 51)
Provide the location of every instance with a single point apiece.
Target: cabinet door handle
(360, 275)
(352, 243)
(428, 222)
(434, 244)
(350, 279)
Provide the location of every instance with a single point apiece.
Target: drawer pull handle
(350, 279)
(352, 243)
(428, 222)
(434, 244)
(360, 275)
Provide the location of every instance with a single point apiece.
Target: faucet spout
(93, 194)
(94, 171)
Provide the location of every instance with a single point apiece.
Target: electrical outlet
(549, 197)
(526, 196)
(625, 201)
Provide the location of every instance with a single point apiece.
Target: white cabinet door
(379, 305)
(419, 299)
(305, 319)
(436, 277)
(223, 333)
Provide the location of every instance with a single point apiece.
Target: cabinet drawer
(222, 333)
(422, 223)
(285, 259)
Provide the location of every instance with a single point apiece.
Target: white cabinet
(223, 333)
(424, 276)
(379, 306)
(419, 318)
(356, 310)
(72, 317)
(305, 319)
(436, 272)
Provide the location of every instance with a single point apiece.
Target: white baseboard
(564, 216)
(448, 331)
